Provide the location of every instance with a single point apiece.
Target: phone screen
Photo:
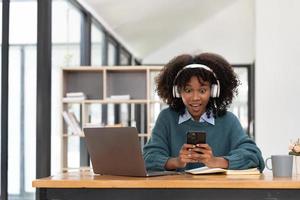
(196, 137)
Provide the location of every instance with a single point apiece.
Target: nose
(196, 95)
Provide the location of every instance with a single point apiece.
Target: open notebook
(207, 170)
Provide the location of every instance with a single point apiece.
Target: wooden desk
(85, 185)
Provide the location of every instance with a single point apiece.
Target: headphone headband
(215, 87)
(192, 66)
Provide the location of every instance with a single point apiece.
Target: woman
(198, 91)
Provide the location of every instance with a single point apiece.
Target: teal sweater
(226, 138)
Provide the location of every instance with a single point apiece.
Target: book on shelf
(122, 111)
(132, 115)
(120, 97)
(76, 123)
(95, 114)
(74, 96)
(110, 114)
(143, 119)
(208, 170)
(72, 122)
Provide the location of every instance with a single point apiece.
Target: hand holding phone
(196, 137)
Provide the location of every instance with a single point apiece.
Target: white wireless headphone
(215, 88)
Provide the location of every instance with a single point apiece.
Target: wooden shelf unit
(99, 84)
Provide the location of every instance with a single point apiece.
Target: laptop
(117, 151)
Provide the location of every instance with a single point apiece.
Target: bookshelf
(114, 96)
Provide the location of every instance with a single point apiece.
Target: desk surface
(90, 180)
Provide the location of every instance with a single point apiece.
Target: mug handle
(267, 166)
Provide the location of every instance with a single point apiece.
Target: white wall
(229, 32)
(277, 74)
(267, 31)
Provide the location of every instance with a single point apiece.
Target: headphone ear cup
(175, 92)
(218, 90)
(214, 91)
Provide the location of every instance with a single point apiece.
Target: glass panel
(97, 46)
(0, 26)
(22, 12)
(153, 94)
(155, 109)
(124, 58)
(0, 78)
(65, 22)
(240, 104)
(30, 81)
(112, 51)
(66, 25)
(14, 122)
(22, 100)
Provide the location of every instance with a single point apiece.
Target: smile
(195, 107)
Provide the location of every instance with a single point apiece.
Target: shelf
(135, 101)
(132, 68)
(115, 96)
(73, 101)
(95, 101)
(83, 69)
(81, 169)
(112, 68)
(156, 101)
(73, 135)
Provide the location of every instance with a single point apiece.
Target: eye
(187, 90)
(202, 90)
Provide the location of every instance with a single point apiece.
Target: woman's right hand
(184, 157)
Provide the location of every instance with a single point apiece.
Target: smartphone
(196, 137)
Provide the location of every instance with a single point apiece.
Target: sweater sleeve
(244, 152)
(156, 151)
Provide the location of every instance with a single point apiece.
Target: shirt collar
(204, 118)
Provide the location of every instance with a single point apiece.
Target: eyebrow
(202, 85)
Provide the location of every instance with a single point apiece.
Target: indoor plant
(294, 149)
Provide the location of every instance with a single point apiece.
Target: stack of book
(74, 96)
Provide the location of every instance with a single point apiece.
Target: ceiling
(145, 26)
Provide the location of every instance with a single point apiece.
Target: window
(97, 45)
(125, 58)
(66, 27)
(22, 99)
(0, 71)
(112, 53)
(241, 105)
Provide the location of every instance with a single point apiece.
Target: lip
(196, 107)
